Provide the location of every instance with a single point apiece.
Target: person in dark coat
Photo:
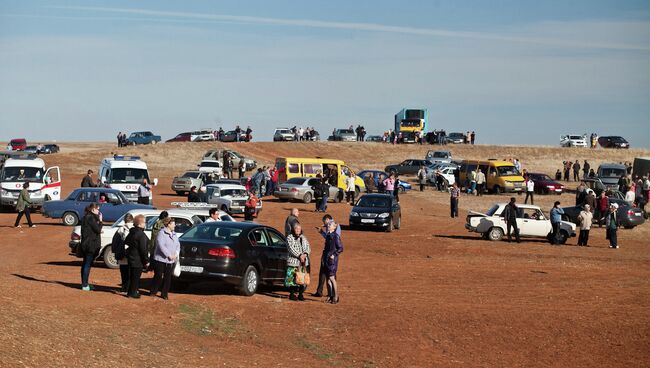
(137, 255)
(193, 196)
(330, 261)
(87, 181)
(291, 221)
(91, 229)
(510, 215)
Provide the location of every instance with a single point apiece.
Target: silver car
(300, 189)
(182, 184)
(283, 134)
(345, 135)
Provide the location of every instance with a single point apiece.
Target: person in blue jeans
(556, 220)
(91, 229)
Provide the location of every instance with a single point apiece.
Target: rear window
(191, 174)
(210, 164)
(296, 181)
(492, 210)
(212, 232)
(613, 172)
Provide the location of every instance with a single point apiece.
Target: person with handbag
(297, 277)
(91, 229)
(120, 255)
(137, 255)
(164, 258)
(330, 261)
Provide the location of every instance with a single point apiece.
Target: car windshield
(191, 174)
(128, 175)
(440, 155)
(618, 139)
(373, 202)
(575, 137)
(507, 171)
(296, 181)
(210, 164)
(233, 192)
(213, 232)
(456, 135)
(542, 177)
(345, 131)
(283, 131)
(30, 174)
(492, 210)
(613, 172)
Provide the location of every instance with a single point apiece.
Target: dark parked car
(628, 216)
(544, 184)
(72, 208)
(455, 138)
(51, 148)
(182, 137)
(242, 254)
(613, 142)
(598, 186)
(403, 185)
(378, 211)
(231, 136)
(407, 167)
(374, 138)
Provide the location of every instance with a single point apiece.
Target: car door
(113, 208)
(279, 245)
(263, 253)
(84, 199)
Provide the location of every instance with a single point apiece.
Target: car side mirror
(155, 182)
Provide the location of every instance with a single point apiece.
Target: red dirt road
(429, 295)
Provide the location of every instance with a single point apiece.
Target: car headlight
(384, 215)
(354, 214)
(509, 183)
(4, 192)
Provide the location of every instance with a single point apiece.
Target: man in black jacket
(510, 215)
(87, 181)
(137, 255)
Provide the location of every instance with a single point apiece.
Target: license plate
(367, 221)
(192, 269)
(638, 214)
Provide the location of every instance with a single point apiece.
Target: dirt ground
(428, 295)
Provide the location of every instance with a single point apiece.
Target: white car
(204, 135)
(211, 166)
(447, 173)
(574, 140)
(530, 220)
(184, 218)
(230, 198)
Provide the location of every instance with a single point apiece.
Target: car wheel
(401, 189)
(398, 224)
(497, 189)
(307, 198)
(563, 237)
(495, 234)
(180, 193)
(390, 226)
(153, 142)
(133, 143)
(109, 258)
(249, 282)
(629, 227)
(70, 219)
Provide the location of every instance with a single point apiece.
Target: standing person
(322, 273)
(291, 221)
(137, 255)
(396, 188)
(350, 188)
(91, 229)
(556, 220)
(585, 169)
(193, 196)
(298, 257)
(591, 200)
(238, 134)
(530, 191)
(480, 182)
(225, 164)
(330, 261)
(558, 175)
(249, 134)
(454, 195)
(611, 225)
(144, 192)
(87, 181)
(157, 226)
(576, 171)
(230, 166)
(422, 177)
(250, 207)
(258, 178)
(567, 170)
(603, 206)
(369, 183)
(389, 184)
(472, 182)
(584, 218)
(241, 167)
(325, 189)
(630, 195)
(318, 193)
(120, 255)
(472, 137)
(22, 206)
(119, 139)
(510, 214)
(165, 255)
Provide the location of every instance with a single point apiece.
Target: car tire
(401, 189)
(153, 141)
(307, 198)
(495, 233)
(391, 226)
(133, 143)
(398, 224)
(70, 219)
(564, 236)
(180, 193)
(496, 189)
(629, 227)
(109, 258)
(249, 282)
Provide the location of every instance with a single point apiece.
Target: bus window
(311, 169)
(293, 168)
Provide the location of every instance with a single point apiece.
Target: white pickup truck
(530, 220)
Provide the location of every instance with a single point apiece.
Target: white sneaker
(18, 226)
(33, 226)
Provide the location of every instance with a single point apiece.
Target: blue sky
(521, 72)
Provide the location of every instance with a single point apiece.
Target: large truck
(410, 122)
(44, 183)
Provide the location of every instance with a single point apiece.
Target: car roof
(236, 225)
(503, 204)
(101, 189)
(377, 195)
(227, 186)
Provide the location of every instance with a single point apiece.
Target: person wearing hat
(611, 225)
(584, 218)
(164, 257)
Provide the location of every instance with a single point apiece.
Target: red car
(544, 184)
(18, 144)
(183, 137)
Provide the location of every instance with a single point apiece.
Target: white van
(44, 183)
(125, 173)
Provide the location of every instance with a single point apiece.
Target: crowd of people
(304, 134)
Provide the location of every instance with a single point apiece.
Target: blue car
(403, 185)
(142, 138)
(112, 201)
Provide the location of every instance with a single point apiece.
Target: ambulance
(125, 173)
(44, 183)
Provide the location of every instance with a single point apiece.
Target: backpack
(117, 246)
(318, 191)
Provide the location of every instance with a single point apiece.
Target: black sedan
(407, 167)
(242, 254)
(628, 216)
(378, 211)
